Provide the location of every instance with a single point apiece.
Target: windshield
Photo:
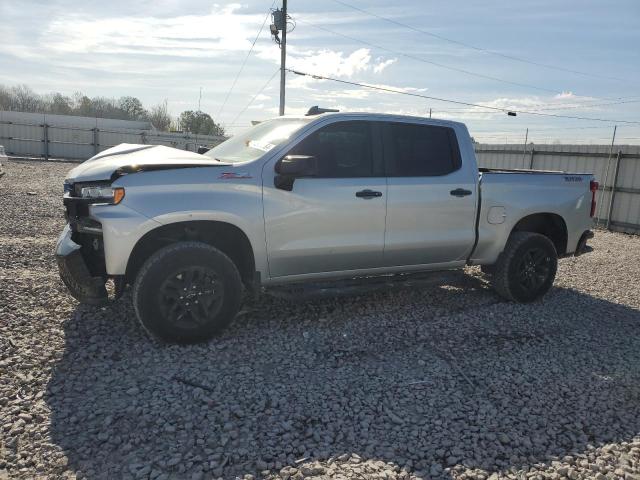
(256, 141)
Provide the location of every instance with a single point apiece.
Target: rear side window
(421, 150)
(343, 149)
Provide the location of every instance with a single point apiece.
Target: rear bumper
(75, 273)
(582, 247)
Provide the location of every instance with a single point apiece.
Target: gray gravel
(444, 381)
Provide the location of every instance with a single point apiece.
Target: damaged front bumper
(75, 273)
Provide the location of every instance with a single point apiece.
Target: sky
(561, 57)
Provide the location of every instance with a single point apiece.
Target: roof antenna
(315, 110)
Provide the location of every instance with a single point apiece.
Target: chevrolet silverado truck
(306, 199)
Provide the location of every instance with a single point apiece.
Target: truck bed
(510, 195)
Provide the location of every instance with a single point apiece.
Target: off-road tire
(508, 274)
(166, 265)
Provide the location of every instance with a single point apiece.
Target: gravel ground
(440, 381)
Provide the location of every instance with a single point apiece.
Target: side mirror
(297, 166)
(294, 166)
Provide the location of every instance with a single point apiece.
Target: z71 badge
(569, 178)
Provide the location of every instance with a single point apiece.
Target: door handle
(368, 194)
(460, 192)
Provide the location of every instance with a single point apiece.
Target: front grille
(75, 207)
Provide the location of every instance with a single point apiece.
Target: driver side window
(342, 149)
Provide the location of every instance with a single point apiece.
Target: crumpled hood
(130, 158)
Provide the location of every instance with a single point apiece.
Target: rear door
(335, 220)
(431, 197)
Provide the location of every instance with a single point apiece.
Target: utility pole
(283, 55)
(200, 99)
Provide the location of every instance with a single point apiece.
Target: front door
(335, 220)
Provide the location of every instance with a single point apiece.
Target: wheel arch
(226, 237)
(551, 225)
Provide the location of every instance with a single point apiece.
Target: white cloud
(397, 89)
(565, 95)
(327, 62)
(331, 62)
(556, 104)
(220, 31)
(383, 64)
(350, 94)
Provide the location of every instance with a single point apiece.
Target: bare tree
(160, 117)
(58, 104)
(25, 99)
(107, 108)
(22, 98)
(5, 98)
(82, 105)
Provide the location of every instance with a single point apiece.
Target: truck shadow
(431, 379)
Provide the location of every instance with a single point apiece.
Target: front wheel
(187, 292)
(525, 271)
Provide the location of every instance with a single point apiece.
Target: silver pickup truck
(303, 199)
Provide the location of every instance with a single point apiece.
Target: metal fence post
(143, 138)
(524, 150)
(45, 139)
(613, 188)
(531, 159)
(606, 175)
(95, 140)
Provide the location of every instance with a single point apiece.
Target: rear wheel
(527, 268)
(187, 292)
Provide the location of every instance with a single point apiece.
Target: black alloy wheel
(191, 296)
(526, 269)
(533, 269)
(187, 292)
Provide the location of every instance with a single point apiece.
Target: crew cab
(304, 199)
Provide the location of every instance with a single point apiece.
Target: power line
(458, 102)
(473, 47)
(594, 99)
(441, 65)
(552, 129)
(413, 57)
(244, 62)
(551, 106)
(557, 106)
(570, 107)
(420, 59)
(256, 95)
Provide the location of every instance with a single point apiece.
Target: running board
(362, 285)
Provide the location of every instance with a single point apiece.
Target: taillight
(593, 186)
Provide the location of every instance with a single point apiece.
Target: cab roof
(382, 117)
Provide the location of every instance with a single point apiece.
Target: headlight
(103, 194)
